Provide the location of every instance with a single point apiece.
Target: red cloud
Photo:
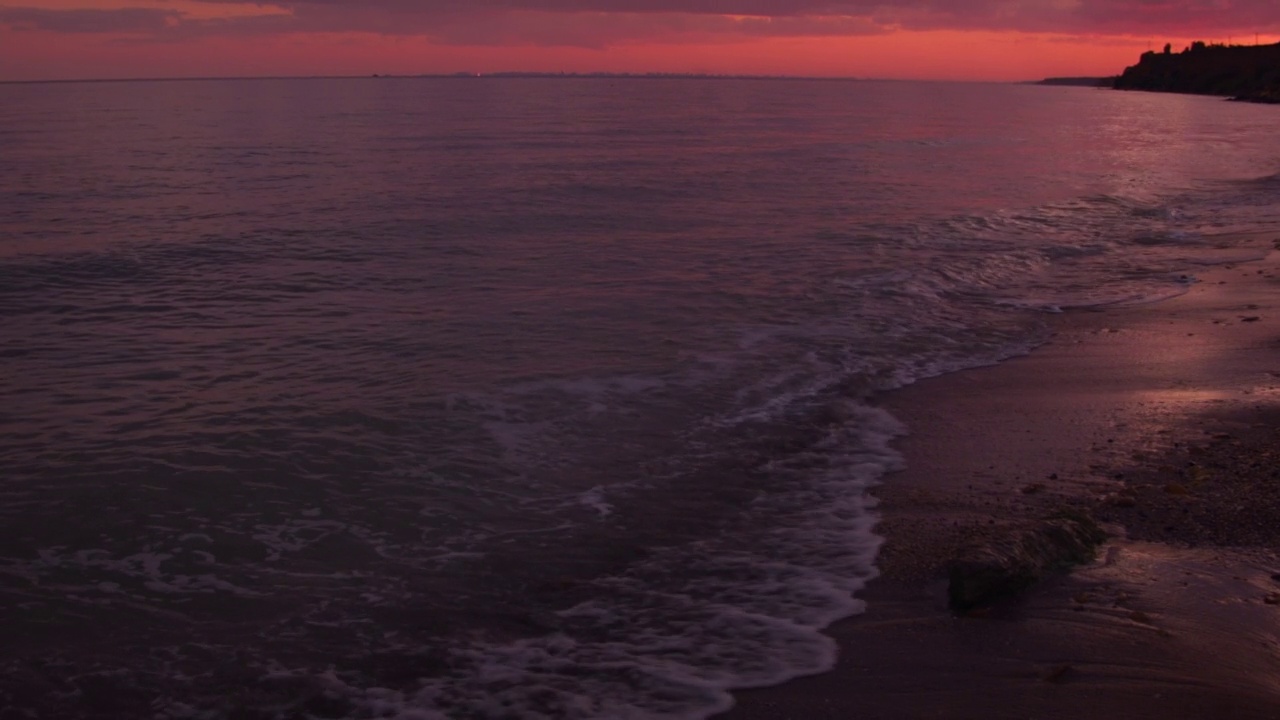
(600, 23)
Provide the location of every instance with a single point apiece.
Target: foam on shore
(1151, 630)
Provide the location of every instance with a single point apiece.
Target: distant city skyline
(917, 39)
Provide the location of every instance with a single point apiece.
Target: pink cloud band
(601, 23)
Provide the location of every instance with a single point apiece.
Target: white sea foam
(296, 534)
(151, 571)
(671, 636)
(595, 499)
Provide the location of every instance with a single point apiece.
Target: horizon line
(517, 75)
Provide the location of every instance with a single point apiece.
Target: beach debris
(1272, 599)
(1175, 489)
(1140, 617)
(1007, 564)
(1250, 318)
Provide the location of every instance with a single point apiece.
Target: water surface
(502, 398)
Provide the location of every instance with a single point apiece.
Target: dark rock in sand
(1008, 564)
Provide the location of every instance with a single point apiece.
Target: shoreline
(1159, 420)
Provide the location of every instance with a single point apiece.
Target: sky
(906, 39)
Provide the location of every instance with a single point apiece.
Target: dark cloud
(1186, 17)
(124, 20)
(600, 23)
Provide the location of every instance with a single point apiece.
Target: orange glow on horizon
(30, 54)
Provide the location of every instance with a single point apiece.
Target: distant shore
(1159, 420)
(1098, 82)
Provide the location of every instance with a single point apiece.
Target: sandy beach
(1162, 422)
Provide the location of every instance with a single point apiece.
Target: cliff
(1242, 72)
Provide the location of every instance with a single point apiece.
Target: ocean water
(522, 398)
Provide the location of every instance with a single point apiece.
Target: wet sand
(1163, 422)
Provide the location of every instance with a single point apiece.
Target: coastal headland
(1243, 72)
(1161, 422)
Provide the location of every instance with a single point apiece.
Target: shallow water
(522, 398)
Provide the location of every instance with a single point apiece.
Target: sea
(523, 398)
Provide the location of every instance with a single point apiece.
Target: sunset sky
(942, 39)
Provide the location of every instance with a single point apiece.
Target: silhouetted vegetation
(1242, 72)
